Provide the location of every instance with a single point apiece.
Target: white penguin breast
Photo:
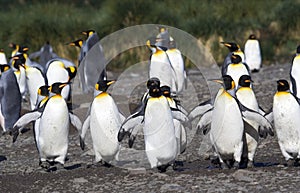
(227, 124)
(287, 126)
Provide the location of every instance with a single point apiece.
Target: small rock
(243, 175)
(171, 187)
(136, 171)
(80, 180)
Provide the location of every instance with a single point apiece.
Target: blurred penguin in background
(44, 54)
(253, 53)
(295, 73)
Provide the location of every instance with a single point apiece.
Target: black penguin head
(103, 85)
(72, 71)
(88, 33)
(283, 85)
(20, 58)
(155, 91)
(252, 37)
(235, 59)
(172, 44)
(228, 82)
(233, 47)
(4, 67)
(44, 90)
(23, 49)
(245, 81)
(77, 43)
(153, 81)
(57, 87)
(166, 91)
(13, 46)
(161, 29)
(298, 50)
(151, 42)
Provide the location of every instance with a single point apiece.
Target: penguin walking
(235, 49)
(52, 127)
(160, 66)
(236, 69)
(295, 73)
(104, 120)
(286, 113)
(227, 126)
(246, 97)
(10, 98)
(253, 53)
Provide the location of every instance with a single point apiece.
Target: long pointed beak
(220, 81)
(111, 82)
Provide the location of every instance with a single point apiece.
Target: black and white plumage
(44, 54)
(295, 73)
(253, 53)
(234, 48)
(286, 113)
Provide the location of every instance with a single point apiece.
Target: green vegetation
(33, 22)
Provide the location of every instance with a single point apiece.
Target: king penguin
(236, 69)
(234, 48)
(295, 73)
(35, 78)
(253, 53)
(20, 74)
(104, 120)
(247, 98)
(226, 137)
(160, 66)
(57, 71)
(3, 59)
(180, 131)
(53, 127)
(177, 64)
(10, 98)
(286, 113)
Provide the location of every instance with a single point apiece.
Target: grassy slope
(34, 22)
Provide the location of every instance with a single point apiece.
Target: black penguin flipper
(180, 116)
(133, 134)
(205, 121)
(75, 121)
(82, 144)
(265, 125)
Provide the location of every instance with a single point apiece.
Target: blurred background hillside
(32, 23)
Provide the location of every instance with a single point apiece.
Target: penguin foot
(236, 165)
(45, 165)
(177, 164)
(289, 163)
(106, 164)
(14, 133)
(255, 70)
(224, 166)
(162, 168)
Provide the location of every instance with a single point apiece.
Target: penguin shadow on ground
(2, 158)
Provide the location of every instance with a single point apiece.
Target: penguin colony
(232, 119)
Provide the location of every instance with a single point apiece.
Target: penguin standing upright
(180, 131)
(44, 54)
(252, 53)
(160, 66)
(227, 126)
(35, 78)
(57, 71)
(20, 74)
(247, 98)
(286, 113)
(104, 120)
(159, 132)
(235, 49)
(295, 73)
(53, 127)
(177, 63)
(236, 69)
(2, 57)
(10, 98)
